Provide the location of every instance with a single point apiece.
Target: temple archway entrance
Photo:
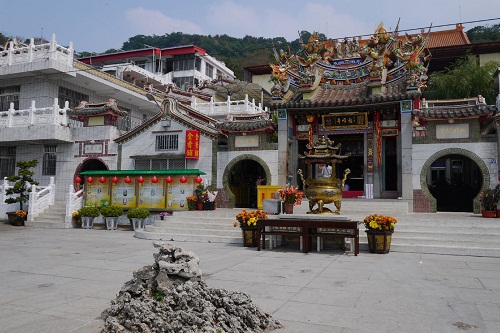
(90, 164)
(242, 175)
(454, 180)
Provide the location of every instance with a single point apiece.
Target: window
(167, 142)
(7, 161)
(161, 164)
(197, 64)
(73, 97)
(183, 82)
(49, 161)
(184, 62)
(9, 95)
(209, 71)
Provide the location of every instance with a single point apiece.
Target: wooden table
(307, 228)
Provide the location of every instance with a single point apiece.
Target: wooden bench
(307, 228)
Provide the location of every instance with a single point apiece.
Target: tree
(464, 79)
(484, 33)
(22, 183)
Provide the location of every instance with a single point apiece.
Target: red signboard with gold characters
(192, 144)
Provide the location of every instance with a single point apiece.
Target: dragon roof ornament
(379, 60)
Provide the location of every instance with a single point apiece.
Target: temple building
(367, 96)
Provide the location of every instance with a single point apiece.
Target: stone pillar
(282, 149)
(406, 159)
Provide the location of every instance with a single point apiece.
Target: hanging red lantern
(168, 179)
(102, 180)
(90, 180)
(78, 180)
(127, 180)
(183, 179)
(140, 179)
(114, 179)
(154, 180)
(198, 179)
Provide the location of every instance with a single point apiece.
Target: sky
(99, 25)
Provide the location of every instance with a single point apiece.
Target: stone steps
(440, 233)
(51, 218)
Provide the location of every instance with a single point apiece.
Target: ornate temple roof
(350, 72)
(85, 109)
(349, 95)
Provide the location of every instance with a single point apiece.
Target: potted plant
(76, 219)
(19, 193)
(88, 213)
(137, 217)
(489, 203)
(290, 196)
(192, 202)
(199, 191)
(208, 197)
(247, 221)
(496, 192)
(164, 215)
(111, 214)
(379, 229)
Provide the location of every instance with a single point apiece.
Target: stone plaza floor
(60, 280)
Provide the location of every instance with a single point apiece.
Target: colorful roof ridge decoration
(109, 109)
(379, 61)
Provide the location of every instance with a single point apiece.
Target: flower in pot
(192, 202)
(291, 195)
(248, 223)
(379, 229)
(488, 201)
(163, 215)
(77, 219)
(137, 216)
(111, 214)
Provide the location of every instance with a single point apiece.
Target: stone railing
(3, 188)
(48, 115)
(41, 197)
(24, 54)
(73, 203)
(229, 107)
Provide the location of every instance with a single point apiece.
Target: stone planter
(137, 223)
(111, 222)
(87, 222)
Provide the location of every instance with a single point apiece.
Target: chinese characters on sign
(246, 141)
(345, 120)
(452, 131)
(192, 144)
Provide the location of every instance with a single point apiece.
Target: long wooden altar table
(307, 228)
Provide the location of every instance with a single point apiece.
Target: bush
(111, 211)
(89, 211)
(138, 213)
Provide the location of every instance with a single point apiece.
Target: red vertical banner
(192, 144)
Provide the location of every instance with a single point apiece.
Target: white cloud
(148, 22)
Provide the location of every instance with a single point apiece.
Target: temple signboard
(452, 131)
(345, 120)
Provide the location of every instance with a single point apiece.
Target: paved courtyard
(61, 280)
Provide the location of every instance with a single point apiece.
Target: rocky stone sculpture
(171, 296)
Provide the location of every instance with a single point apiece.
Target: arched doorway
(241, 177)
(452, 179)
(88, 165)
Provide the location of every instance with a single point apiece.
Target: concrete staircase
(440, 233)
(51, 218)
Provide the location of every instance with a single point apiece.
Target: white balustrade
(73, 203)
(35, 116)
(40, 198)
(229, 107)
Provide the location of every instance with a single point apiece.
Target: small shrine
(97, 114)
